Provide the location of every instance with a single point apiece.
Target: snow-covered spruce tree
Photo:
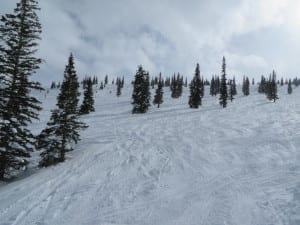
(141, 91)
(158, 98)
(19, 33)
(195, 89)
(290, 89)
(223, 86)
(64, 125)
(88, 99)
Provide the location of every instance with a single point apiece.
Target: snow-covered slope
(171, 166)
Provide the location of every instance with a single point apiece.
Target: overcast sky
(114, 36)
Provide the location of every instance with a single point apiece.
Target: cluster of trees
(214, 86)
(86, 80)
(19, 36)
(55, 85)
(120, 85)
(176, 86)
(226, 89)
(269, 87)
(246, 86)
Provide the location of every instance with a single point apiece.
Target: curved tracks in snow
(171, 166)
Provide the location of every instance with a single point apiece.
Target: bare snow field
(171, 166)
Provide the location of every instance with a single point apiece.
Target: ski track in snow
(170, 166)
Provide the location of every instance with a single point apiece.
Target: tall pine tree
(223, 86)
(19, 33)
(88, 99)
(290, 89)
(195, 89)
(141, 91)
(63, 128)
(158, 98)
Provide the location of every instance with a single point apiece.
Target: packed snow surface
(171, 166)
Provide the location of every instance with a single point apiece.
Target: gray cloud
(113, 37)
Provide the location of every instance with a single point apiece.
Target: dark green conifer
(290, 89)
(223, 86)
(158, 98)
(88, 99)
(63, 128)
(195, 89)
(19, 33)
(141, 93)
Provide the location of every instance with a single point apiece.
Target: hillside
(170, 166)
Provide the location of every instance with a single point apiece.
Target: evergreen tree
(53, 85)
(141, 93)
(262, 85)
(212, 90)
(119, 88)
(106, 80)
(290, 89)
(234, 91)
(195, 89)
(88, 100)
(64, 125)
(272, 88)
(152, 83)
(101, 86)
(223, 86)
(176, 86)
(202, 87)
(246, 86)
(122, 82)
(158, 98)
(69, 96)
(217, 85)
(19, 33)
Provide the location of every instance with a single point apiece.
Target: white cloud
(115, 36)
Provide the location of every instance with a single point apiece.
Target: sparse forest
(145, 147)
